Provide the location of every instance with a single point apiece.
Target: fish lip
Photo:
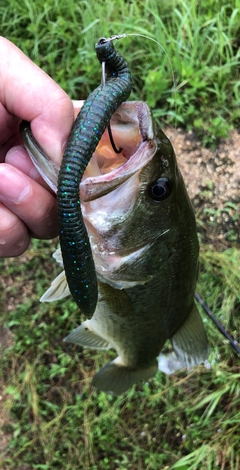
(91, 187)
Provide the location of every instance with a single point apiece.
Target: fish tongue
(109, 160)
(103, 161)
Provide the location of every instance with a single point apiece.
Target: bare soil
(213, 182)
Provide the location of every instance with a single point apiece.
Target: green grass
(53, 418)
(194, 84)
(56, 420)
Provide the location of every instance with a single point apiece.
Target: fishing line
(197, 296)
(124, 35)
(199, 299)
(217, 323)
(174, 88)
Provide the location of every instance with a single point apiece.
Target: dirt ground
(213, 182)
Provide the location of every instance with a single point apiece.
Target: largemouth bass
(142, 232)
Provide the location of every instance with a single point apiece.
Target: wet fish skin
(146, 257)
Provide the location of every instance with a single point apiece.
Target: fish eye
(159, 189)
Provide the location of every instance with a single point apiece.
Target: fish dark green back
(87, 130)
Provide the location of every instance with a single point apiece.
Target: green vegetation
(52, 418)
(195, 83)
(56, 420)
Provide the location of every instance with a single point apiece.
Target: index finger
(27, 92)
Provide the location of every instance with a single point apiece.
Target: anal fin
(190, 341)
(86, 337)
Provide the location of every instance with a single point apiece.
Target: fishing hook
(109, 127)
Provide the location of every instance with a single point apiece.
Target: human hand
(27, 205)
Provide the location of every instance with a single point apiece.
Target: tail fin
(116, 378)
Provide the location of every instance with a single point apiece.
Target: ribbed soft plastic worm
(87, 130)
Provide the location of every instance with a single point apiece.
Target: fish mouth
(133, 132)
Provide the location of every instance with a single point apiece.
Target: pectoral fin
(58, 289)
(116, 378)
(57, 255)
(190, 341)
(46, 167)
(86, 337)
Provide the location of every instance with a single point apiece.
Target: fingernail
(16, 153)
(13, 186)
(18, 158)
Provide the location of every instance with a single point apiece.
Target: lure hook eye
(102, 41)
(159, 190)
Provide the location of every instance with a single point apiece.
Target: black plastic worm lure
(87, 130)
